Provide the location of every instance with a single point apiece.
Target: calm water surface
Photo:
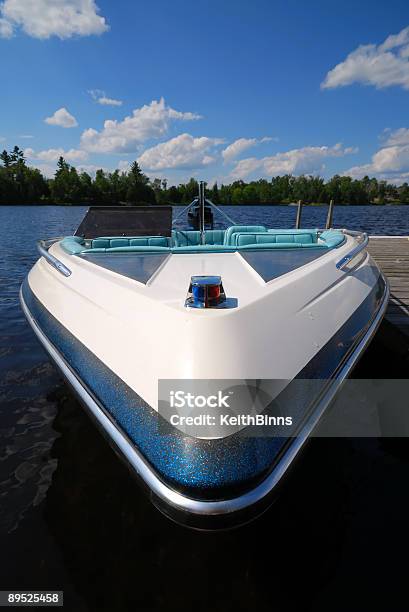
(71, 517)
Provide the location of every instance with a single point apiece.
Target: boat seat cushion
(240, 237)
(185, 238)
(272, 246)
(215, 236)
(143, 241)
(129, 249)
(293, 231)
(204, 248)
(192, 248)
(229, 237)
(192, 237)
(332, 238)
(150, 241)
(276, 238)
(72, 244)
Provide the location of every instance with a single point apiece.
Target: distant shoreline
(310, 205)
(21, 184)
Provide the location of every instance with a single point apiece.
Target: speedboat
(195, 212)
(207, 357)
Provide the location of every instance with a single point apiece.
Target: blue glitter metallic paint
(203, 469)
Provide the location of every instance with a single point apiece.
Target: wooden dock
(392, 255)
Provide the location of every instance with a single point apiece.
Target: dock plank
(392, 255)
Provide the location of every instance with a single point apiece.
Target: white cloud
(150, 121)
(390, 162)
(49, 169)
(46, 18)
(307, 160)
(233, 150)
(6, 29)
(100, 97)
(46, 169)
(183, 151)
(379, 65)
(26, 136)
(62, 118)
(2, 139)
(124, 166)
(109, 101)
(398, 137)
(358, 172)
(91, 169)
(52, 155)
(391, 159)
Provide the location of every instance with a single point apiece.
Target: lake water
(72, 518)
(382, 220)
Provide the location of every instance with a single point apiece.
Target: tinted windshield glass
(273, 263)
(133, 265)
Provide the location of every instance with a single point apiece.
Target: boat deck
(392, 255)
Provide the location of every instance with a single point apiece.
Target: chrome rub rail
(42, 247)
(342, 263)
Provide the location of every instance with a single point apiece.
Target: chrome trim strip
(352, 232)
(219, 210)
(42, 247)
(342, 263)
(176, 500)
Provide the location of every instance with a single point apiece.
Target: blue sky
(216, 90)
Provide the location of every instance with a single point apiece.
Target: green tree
(250, 195)
(139, 191)
(214, 194)
(20, 184)
(6, 158)
(404, 194)
(237, 195)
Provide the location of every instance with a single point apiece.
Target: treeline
(22, 184)
(287, 189)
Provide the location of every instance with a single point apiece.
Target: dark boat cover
(126, 221)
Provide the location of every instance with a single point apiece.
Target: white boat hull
(115, 339)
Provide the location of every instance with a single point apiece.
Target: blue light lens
(199, 293)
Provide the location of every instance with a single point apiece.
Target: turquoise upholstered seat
(72, 244)
(292, 231)
(229, 236)
(276, 238)
(130, 249)
(291, 238)
(185, 238)
(332, 238)
(143, 241)
(236, 237)
(204, 248)
(272, 246)
(192, 238)
(215, 236)
(75, 244)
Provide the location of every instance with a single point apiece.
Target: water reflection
(111, 537)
